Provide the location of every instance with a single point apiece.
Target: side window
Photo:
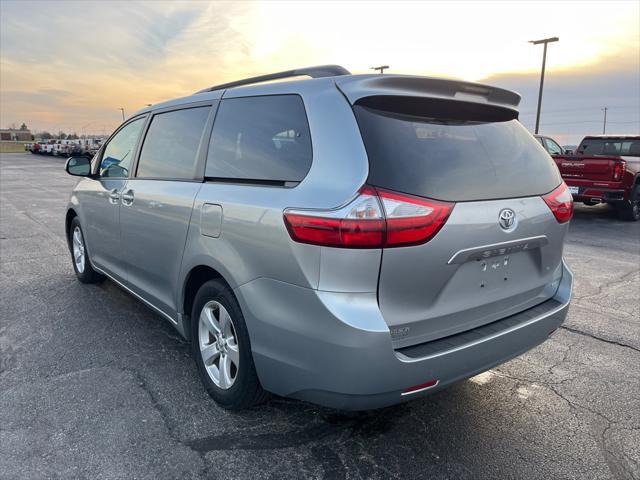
(553, 148)
(119, 152)
(171, 144)
(260, 138)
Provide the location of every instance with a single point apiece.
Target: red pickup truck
(604, 168)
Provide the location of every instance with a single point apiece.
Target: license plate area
(574, 190)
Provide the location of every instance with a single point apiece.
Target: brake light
(618, 170)
(374, 219)
(560, 201)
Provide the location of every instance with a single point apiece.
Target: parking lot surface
(95, 385)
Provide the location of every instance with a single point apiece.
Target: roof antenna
(381, 68)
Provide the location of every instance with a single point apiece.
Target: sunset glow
(71, 66)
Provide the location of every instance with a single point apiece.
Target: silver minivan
(351, 240)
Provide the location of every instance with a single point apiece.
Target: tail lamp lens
(374, 219)
(412, 220)
(618, 170)
(560, 202)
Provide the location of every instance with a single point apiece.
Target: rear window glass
(260, 138)
(610, 146)
(453, 159)
(171, 144)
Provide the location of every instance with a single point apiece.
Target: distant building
(15, 134)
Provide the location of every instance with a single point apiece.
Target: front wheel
(630, 209)
(81, 265)
(222, 350)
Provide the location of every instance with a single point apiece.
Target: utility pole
(544, 41)
(604, 123)
(381, 68)
(122, 110)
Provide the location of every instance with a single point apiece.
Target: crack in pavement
(616, 461)
(606, 286)
(595, 337)
(164, 416)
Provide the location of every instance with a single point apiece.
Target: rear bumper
(334, 349)
(607, 192)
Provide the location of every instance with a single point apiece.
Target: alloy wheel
(218, 344)
(78, 249)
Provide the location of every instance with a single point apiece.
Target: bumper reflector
(422, 387)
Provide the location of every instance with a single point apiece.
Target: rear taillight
(374, 219)
(412, 220)
(560, 202)
(618, 170)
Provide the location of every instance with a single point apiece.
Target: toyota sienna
(350, 240)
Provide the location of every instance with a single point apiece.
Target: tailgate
(472, 272)
(500, 250)
(587, 168)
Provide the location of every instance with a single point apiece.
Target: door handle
(127, 197)
(114, 196)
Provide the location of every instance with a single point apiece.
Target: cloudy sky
(72, 65)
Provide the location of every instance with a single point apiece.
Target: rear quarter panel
(253, 241)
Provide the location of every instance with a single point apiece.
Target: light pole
(122, 110)
(545, 41)
(604, 123)
(381, 68)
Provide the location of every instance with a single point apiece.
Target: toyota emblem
(507, 219)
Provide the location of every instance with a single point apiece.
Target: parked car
(550, 145)
(605, 168)
(47, 148)
(351, 240)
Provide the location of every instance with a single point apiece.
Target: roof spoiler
(313, 72)
(358, 87)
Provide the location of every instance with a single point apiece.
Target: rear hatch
(481, 160)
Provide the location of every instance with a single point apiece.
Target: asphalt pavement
(95, 385)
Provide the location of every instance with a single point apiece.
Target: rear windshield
(610, 146)
(453, 159)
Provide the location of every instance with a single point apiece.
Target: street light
(544, 41)
(381, 68)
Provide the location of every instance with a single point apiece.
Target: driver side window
(118, 154)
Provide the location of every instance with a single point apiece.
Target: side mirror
(78, 166)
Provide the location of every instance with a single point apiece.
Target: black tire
(88, 274)
(629, 210)
(246, 390)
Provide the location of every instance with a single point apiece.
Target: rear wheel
(81, 265)
(221, 348)
(630, 209)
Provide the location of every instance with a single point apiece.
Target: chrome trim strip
(565, 304)
(124, 287)
(539, 241)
